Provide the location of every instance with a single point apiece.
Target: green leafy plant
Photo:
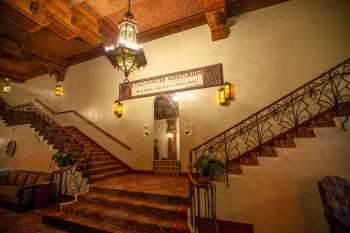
(210, 166)
(64, 159)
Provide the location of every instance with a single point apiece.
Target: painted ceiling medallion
(126, 55)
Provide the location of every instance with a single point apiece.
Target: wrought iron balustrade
(328, 92)
(64, 182)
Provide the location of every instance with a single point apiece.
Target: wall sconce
(222, 99)
(59, 89)
(229, 91)
(118, 108)
(226, 93)
(6, 88)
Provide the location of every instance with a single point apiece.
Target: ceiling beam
(235, 7)
(13, 75)
(215, 11)
(57, 17)
(30, 51)
(142, 37)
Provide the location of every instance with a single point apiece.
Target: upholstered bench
(335, 195)
(18, 188)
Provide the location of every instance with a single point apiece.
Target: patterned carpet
(28, 222)
(141, 183)
(129, 203)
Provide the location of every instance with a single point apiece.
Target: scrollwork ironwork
(329, 91)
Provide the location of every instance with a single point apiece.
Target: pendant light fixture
(126, 54)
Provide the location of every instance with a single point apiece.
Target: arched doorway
(166, 132)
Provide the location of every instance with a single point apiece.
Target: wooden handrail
(86, 121)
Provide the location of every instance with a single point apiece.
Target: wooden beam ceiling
(49, 36)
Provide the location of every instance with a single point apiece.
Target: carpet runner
(103, 163)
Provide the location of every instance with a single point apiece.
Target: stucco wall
(32, 152)
(281, 194)
(268, 53)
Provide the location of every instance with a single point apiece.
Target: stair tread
(94, 224)
(150, 203)
(117, 165)
(123, 214)
(103, 175)
(104, 161)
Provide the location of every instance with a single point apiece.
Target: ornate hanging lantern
(126, 55)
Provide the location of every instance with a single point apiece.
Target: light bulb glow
(59, 90)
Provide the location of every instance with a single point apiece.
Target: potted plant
(210, 167)
(64, 159)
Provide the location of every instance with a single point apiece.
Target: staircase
(257, 138)
(68, 139)
(119, 208)
(314, 104)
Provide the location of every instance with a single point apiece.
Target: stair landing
(149, 184)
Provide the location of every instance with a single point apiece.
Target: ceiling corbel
(215, 11)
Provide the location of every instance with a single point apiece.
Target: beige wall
(268, 53)
(281, 194)
(32, 152)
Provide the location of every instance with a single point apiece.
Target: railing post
(335, 95)
(226, 161)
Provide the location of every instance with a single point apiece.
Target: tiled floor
(158, 185)
(28, 222)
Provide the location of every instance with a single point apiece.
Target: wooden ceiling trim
(29, 50)
(172, 28)
(15, 18)
(60, 19)
(142, 37)
(14, 75)
(85, 56)
(235, 7)
(215, 11)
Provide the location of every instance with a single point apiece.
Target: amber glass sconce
(226, 93)
(59, 89)
(118, 108)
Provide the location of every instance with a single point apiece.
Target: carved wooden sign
(203, 77)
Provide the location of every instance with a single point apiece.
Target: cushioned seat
(17, 188)
(9, 193)
(335, 195)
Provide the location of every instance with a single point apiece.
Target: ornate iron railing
(64, 182)
(328, 92)
(202, 205)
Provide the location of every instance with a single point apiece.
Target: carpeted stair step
(101, 158)
(102, 176)
(97, 164)
(105, 169)
(76, 224)
(120, 192)
(152, 207)
(126, 218)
